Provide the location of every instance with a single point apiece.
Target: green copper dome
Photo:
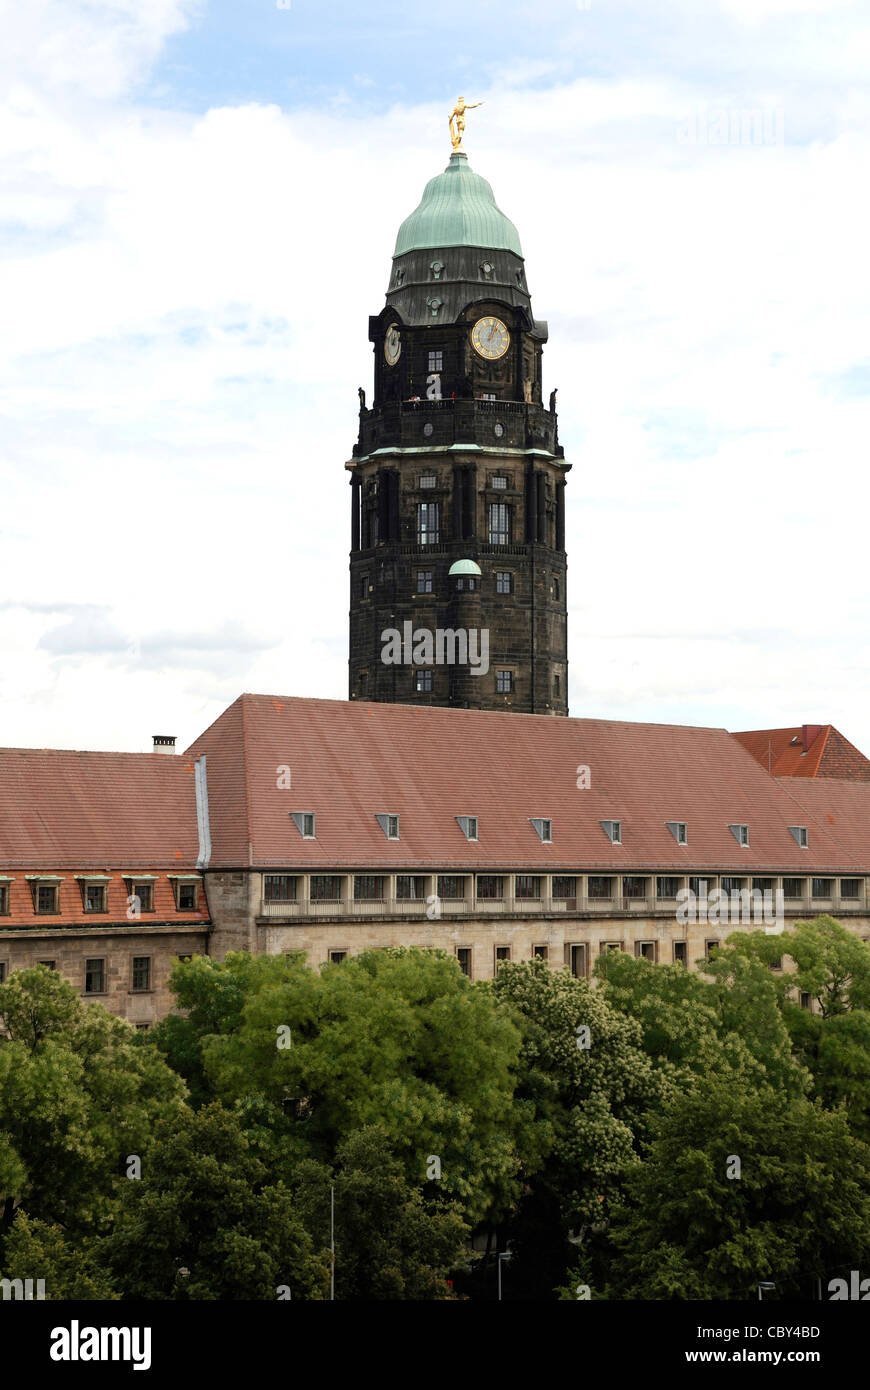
(457, 209)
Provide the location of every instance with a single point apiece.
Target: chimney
(164, 743)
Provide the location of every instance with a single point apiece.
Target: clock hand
(491, 333)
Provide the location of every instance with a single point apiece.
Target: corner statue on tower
(457, 116)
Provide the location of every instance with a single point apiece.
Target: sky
(198, 207)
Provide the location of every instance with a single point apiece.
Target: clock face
(490, 337)
(392, 344)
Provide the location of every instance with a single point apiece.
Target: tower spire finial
(456, 122)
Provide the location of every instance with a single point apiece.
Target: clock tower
(457, 565)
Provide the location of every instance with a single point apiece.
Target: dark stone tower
(458, 478)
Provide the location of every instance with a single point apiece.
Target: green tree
(391, 1240)
(79, 1092)
(695, 1226)
(205, 1222)
(35, 1250)
(398, 1039)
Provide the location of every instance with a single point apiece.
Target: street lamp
(504, 1255)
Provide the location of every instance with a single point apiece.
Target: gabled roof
(810, 750)
(82, 810)
(352, 761)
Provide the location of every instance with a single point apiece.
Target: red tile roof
(87, 810)
(810, 750)
(350, 761)
(838, 809)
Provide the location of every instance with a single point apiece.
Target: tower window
(424, 581)
(364, 586)
(557, 591)
(466, 582)
(436, 361)
(428, 523)
(557, 687)
(422, 681)
(504, 682)
(504, 582)
(499, 523)
(428, 480)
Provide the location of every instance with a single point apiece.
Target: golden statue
(458, 115)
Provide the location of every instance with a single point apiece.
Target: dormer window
(390, 825)
(801, 835)
(613, 830)
(468, 826)
(741, 834)
(679, 830)
(543, 829)
(305, 824)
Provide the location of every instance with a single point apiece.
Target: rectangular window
(646, 950)
(600, 886)
(490, 886)
(801, 835)
(564, 887)
(504, 682)
(145, 893)
(500, 481)
(608, 946)
(424, 581)
(463, 955)
(410, 886)
(4, 899)
(710, 946)
(436, 360)
(46, 897)
(667, 887)
(679, 829)
(95, 897)
(613, 830)
(762, 885)
(681, 953)
(422, 681)
(557, 687)
(280, 888)
(527, 886)
(468, 826)
(499, 523)
(740, 833)
(698, 886)
(502, 953)
(451, 887)
(578, 960)
(305, 823)
(364, 586)
(428, 523)
(504, 582)
(428, 480)
(95, 976)
(806, 1001)
(730, 885)
(540, 952)
(184, 957)
(368, 887)
(488, 396)
(823, 887)
(850, 887)
(49, 964)
(187, 897)
(325, 888)
(2, 972)
(793, 887)
(336, 957)
(633, 887)
(141, 973)
(556, 589)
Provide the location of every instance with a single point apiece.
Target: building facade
(457, 476)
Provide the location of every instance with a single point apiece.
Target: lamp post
(504, 1255)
